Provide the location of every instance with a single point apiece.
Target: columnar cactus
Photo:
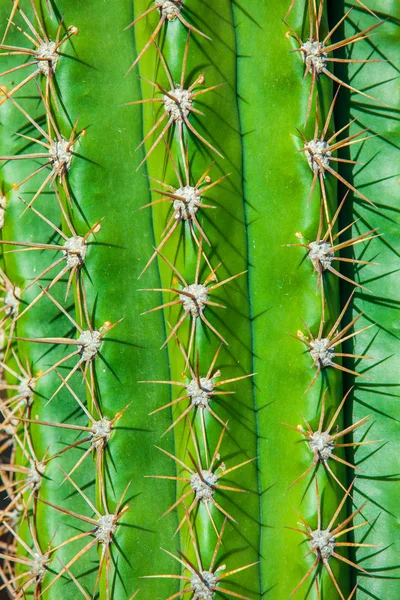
(188, 190)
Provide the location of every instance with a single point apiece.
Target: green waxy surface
(104, 184)
(94, 189)
(260, 208)
(224, 227)
(43, 320)
(293, 465)
(282, 287)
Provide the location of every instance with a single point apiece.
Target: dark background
(3, 594)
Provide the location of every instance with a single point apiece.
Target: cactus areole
(188, 189)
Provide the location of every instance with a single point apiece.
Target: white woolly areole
(101, 431)
(204, 488)
(322, 543)
(75, 251)
(47, 58)
(169, 8)
(38, 566)
(200, 396)
(106, 527)
(321, 443)
(36, 473)
(61, 155)
(317, 149)
(321, 254)
(321, 353)
(90, 342)
(12, 300)
(197, 303)
(314, 56)
(203, 588)
(188, 207)
(25, 391)
(179, 106)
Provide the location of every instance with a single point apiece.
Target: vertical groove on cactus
(164, 433)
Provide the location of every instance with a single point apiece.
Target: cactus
(167, 241)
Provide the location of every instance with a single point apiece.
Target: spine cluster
(325, 346)
(29, 569)
(201, 470)
(202, 475)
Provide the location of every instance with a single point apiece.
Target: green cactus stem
(198, 328)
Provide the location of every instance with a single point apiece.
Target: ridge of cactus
(188, 189)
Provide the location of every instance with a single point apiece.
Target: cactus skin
(108, 180)
(286, 293)
(44, 321)
(90, 186)
(258, 212)
(380, 305)
(127, 361)
(225, 229)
